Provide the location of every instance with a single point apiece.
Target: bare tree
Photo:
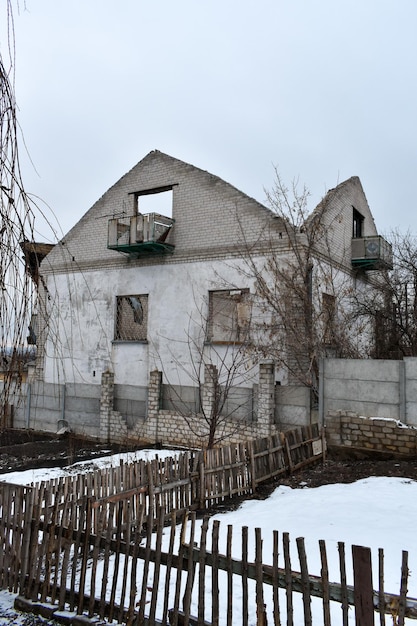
(220, 373)
(302, 296)
(17, 227)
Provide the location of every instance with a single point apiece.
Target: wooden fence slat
(168, 568)
(99, 523)
(215, 573)
(305, 581)
(106, 558)
(57, 556)
(130, 617)
(66, 559)
(325, 582)
(80, 522)
(288, 578)
(381, 598)
(245, 606)
(362, 576)
(229, 570)
(145, 571)
(115, 577)
(343, 583)
(83, 573)
(403, 588)
(261, 619)
(25, 564)
(202, 571)
(186, 602)
(181, 551)
(6, 548)
(128, 527)
(275, 585)
(157, 565)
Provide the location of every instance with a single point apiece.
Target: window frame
(121, 335)
(237, 335)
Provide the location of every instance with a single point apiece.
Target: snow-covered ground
(374, 512)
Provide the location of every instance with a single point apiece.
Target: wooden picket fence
(123, 544)
(136, 572)
(193, 480)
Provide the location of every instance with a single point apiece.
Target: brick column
(154, 394)
(106, 404)
(209, 388)
(266, 394)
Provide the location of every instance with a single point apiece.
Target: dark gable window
(358, 220)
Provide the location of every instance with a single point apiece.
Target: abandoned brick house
(145, 309)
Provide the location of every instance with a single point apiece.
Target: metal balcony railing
(371, 253)
(140, 235)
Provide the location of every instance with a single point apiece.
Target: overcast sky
(324, 89)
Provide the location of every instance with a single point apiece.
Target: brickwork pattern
(345, 428)
(113, 428)
(174, 429)
(198, 196)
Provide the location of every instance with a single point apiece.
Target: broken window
(131, 318)
(229, 315)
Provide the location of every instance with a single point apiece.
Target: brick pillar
(106, 404)
(266, 394)
(208, 388)
(154, 393)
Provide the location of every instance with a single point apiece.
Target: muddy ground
(21, 450)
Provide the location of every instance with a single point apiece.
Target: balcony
(140, 235)
(371, 253)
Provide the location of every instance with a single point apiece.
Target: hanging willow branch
(17, 290)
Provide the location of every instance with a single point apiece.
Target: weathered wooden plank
(229, 570)
(343, 586)
(305, 581)
(157, 565)
(275, 587)
(261, 618)
(403, 589)
(288, 579)
(325, 583)
(381, 599)
(363, 587)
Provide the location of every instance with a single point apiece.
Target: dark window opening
(131, 318)
(358, 220)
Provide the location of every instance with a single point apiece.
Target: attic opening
(158, 200)
(147, 231)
